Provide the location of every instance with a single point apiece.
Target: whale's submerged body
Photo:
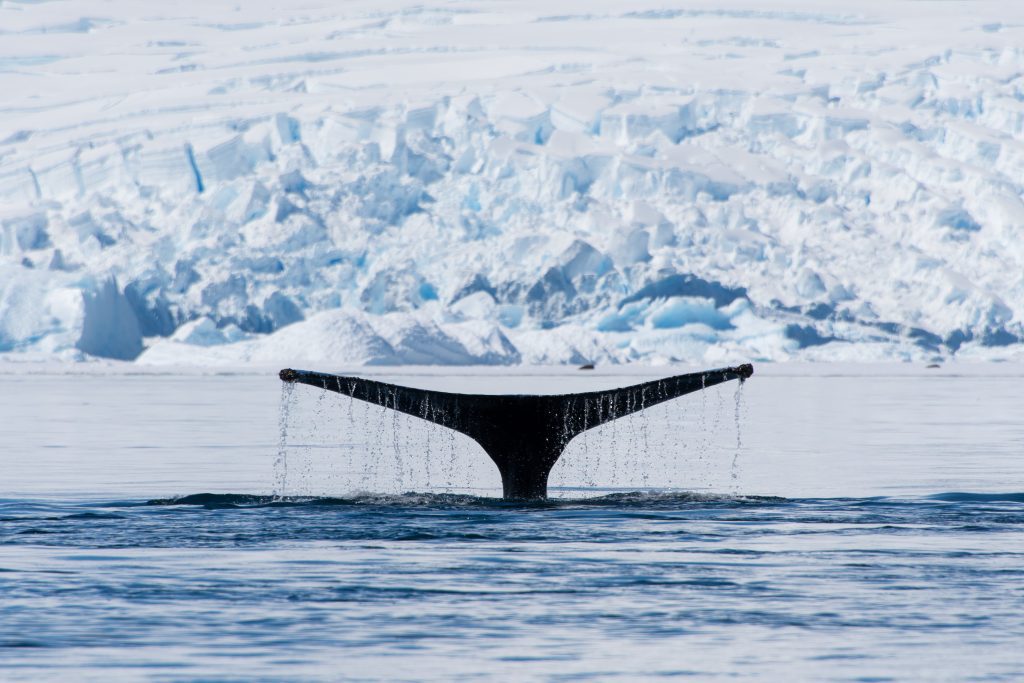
(523, 434)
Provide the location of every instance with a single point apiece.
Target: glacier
(373, 183)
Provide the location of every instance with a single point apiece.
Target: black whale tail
(524, 435)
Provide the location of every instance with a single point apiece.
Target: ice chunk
(27, 233)
(582, 259)
(288, 129)
(679, 311)
(522, 116)
(232, 158)
(109, 326)
(631, 247)
(957, 219)
(686, 286)
(809, 284)
(281, 310)
(200, 332)
(624, 319)
(477, 306)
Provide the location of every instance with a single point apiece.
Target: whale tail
(523, 434)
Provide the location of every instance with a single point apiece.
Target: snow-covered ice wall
(494, 182)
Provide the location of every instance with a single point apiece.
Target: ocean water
(849, 523)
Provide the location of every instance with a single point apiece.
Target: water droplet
(281, 461)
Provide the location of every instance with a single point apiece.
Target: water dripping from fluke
(281, 461)
(524, 435)
(737, 418)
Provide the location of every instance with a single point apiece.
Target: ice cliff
(489, 183)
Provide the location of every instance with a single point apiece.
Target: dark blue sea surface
(820, 523)
(428, 586)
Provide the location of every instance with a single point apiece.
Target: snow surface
(485, 182)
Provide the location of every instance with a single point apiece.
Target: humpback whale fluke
(523, 434)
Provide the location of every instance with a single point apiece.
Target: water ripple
(461, 584)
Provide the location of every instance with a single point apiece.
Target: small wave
(965, 497)
(667, 498)
(242, 500)
(226, 500)
(630, 499)
(92, 515)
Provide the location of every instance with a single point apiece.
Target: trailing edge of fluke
(524, 435)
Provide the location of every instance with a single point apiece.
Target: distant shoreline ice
(371, 183)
